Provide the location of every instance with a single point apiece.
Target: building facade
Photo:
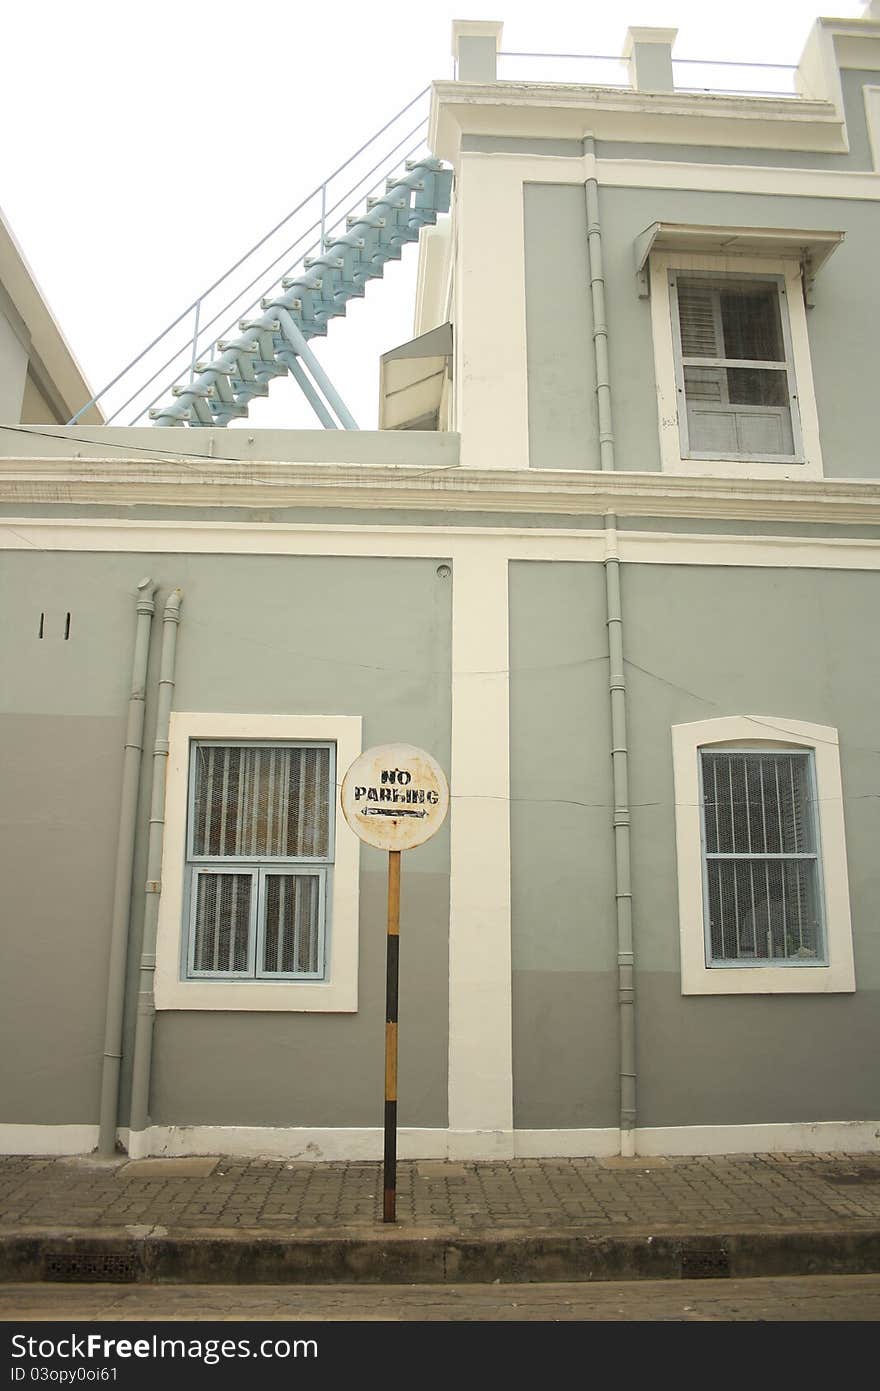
(624, 593)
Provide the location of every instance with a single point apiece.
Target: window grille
(734, 369)
(259, 851)
(761, 863)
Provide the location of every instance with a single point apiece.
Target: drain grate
(92, 1267)
(704, 1265)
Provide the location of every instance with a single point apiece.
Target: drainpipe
(616, 686)
(626, 993)
(600, 325)
(131, 768)
(143, 1037)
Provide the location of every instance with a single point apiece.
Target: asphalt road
(832, 1298)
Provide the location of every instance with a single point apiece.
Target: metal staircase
(217, 372)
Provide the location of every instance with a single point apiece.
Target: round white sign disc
(395, 796)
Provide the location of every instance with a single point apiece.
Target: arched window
(763, 893)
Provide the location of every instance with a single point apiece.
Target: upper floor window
(734, 380)
(734, 367)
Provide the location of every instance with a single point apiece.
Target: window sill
(713, 466)
(768, 980)
(292, 997)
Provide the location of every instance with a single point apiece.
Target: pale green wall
(563, 932)
(59, 787)
(279, 635)
(563, 417)
(841, 326)
(699, 643)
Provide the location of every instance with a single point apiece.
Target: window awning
(411, 380)
(811, 248)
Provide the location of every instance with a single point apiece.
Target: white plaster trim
(338, 993)
(569, 491)
(476, 29)
(480, 979)
(662, 262)
(48, 1139)
(523, 110)
(533, 543)
(811, 1137)
(794, 552)
(741, 178)
(638, 34)
(490, 327)
(348, 1143)
(872, 120)
(761, 731)
(859, 51)
(344, 1143)
(565, 1144)
(851, 184)
(315, 1145)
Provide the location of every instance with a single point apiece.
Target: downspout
(616, 684)
(143, 1037)
(131, 768)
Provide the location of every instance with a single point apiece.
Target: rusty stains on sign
(395, 796)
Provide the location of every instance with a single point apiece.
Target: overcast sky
(147, 146)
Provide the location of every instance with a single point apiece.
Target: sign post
(394, 797)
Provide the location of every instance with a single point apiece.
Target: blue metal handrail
(331, 208)
(294, 247)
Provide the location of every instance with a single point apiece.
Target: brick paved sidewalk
(588, 1196)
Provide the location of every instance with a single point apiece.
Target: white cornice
(127, 483)
(571, 111)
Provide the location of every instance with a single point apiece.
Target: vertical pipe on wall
(143, 1038)
(623, 879)
(131, 769)
(600, 324)
(616, 688)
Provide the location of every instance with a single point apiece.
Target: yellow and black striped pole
(389, 1180)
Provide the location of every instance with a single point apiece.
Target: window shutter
(700, 326)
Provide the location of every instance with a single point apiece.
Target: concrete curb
(407, 1256)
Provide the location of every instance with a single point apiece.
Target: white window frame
(713, 282)
(836, 974)
(337, 990)
(807, 462)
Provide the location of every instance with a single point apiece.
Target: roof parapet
(648, 53)
(475, 47)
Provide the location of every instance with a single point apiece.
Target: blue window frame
(259, 856)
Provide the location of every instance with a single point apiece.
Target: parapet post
(649, 55)
(475, 47)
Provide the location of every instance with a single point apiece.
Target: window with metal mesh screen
(290, 943)
(222, 922)
(761, 857)
(264, 813)
(735, 367)
(262, 801)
